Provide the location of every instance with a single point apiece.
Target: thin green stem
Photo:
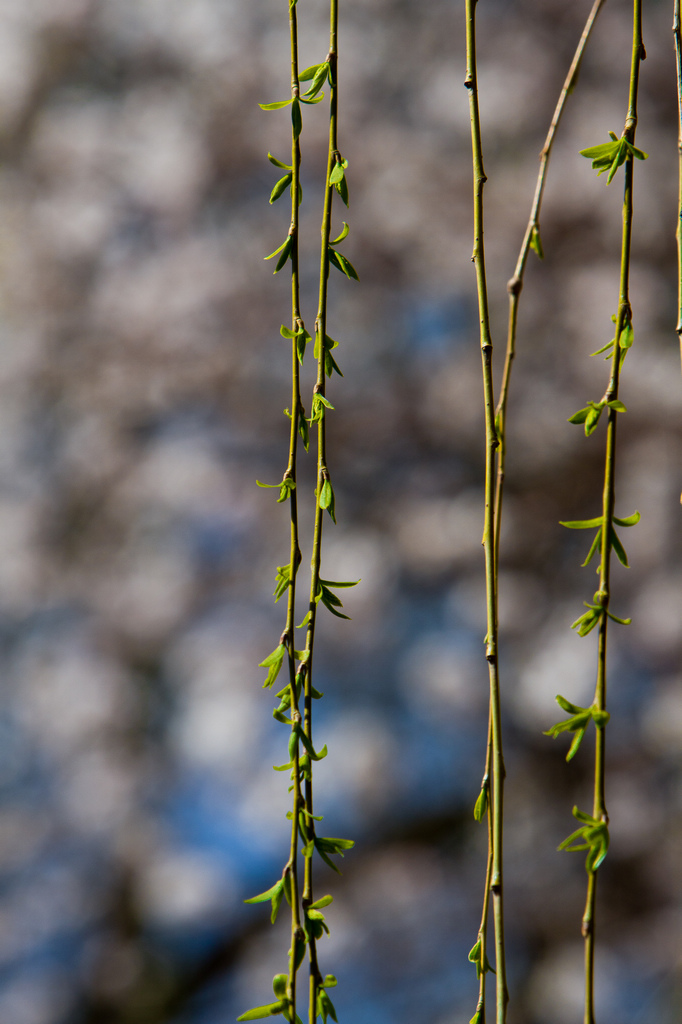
(677, 34)
(589, 936)
(515, 284)
(478, 258)
(624, 317)
(322, 472)
(295, 551)
(483, 929)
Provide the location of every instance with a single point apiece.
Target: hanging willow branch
(284, 985)
(493, 791)
(592, 835)
(321, 589)
(307, 920)
(532, 240)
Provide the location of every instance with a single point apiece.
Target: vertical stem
(322, 473)
(515, 284)
(604, 596)
(295, 552)
(483, 929)
(677, 33)
(478, 258)
(589, 936)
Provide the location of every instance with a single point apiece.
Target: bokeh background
(142, 381)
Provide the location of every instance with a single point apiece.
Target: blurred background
(142, 382)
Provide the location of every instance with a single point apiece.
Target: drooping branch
(495, 802)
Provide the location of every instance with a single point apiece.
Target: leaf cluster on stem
(294, 710)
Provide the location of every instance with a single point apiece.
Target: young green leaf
(582, 524)
(286, 487)
(280, 187)
(566, 705)
(608, 348)
(588, 620)
(344, 234)
(275, 106)
(475, 952)
(284, 250)
(284, 244)
(278, 163)
(343, 264)
(323, 902)
(593, 836)
(286, 253)
(302, 736)
(302, 340)
(476, 957)
(575, 745)
(342, 188)
(629, 520)
(326, 494)
(298, 951)
(536, 243)
(279, 985)
(325, 1007)
(330, 364)
(273, 663)
(622, 622)
(304, 430)
(337, 173)
(264, 1011)
(580, 416)
(594, 547)
(618, 548)
(332, 603)
(331, 845)
(481, 806)
(320, 403)
(319, 78)
(282, 581)
(263, 897)
(570, 724)
(285, 701)
(317, 923)
(326, 847)
(296, 120)
(309, 848)
(592, 418)
(626, 336)
(609, 156)
(311, 817)
(577, 723)
(308, 73)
